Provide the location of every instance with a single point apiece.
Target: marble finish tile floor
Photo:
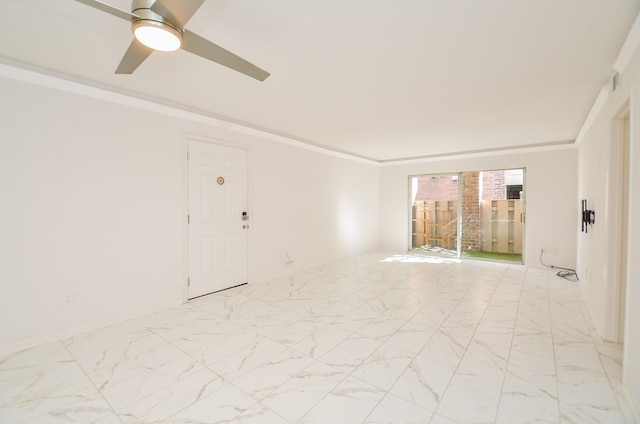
(371, 340)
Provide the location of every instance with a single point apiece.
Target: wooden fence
(435, 224)
(502, 226)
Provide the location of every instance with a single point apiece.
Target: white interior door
(218, 233)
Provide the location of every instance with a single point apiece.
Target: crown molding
(49, 79)
(45, 78)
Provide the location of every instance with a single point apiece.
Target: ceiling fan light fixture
(157, 35)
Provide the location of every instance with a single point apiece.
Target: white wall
(94, 203)
(315, 207)
(599, 251)
(631, 361)
(550, 192)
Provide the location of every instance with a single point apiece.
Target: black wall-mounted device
(588, 216)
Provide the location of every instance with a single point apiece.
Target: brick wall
(437, 188)
(493, 187)
(471, 218)
(440, 188)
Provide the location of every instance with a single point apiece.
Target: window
(513, 191)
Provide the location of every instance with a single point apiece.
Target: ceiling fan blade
(197, 45)
(127, 16)
(178, 12)
(135, 55)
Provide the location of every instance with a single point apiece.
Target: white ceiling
(379, 79)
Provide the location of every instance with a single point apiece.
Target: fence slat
(517, 226)
(502, 227)
(487, 230)
(434, 224)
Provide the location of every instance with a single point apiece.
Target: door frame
(622, 166)
(186, 138)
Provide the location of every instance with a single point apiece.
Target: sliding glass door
(478, 214)
(435, 211)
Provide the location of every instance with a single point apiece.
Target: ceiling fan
(159, 25)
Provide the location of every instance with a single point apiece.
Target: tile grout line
(513, 330)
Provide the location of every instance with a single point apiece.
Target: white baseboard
(635, 408)
(35, 341)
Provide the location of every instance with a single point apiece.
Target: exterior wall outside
(437, 188)
(471, 240)
(493, 186)
(446, 187)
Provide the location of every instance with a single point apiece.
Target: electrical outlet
(68, 299)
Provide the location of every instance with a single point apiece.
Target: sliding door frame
(412, 180)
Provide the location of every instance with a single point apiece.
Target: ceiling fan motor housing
(146, 18)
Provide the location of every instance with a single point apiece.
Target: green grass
(494, 256)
